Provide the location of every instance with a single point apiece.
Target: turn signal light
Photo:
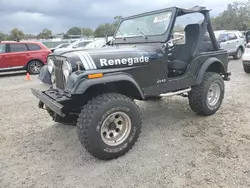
(98, 75)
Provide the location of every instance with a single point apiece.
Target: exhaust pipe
(175, 93)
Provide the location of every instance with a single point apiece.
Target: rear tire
(109, 125)
(238, 54)
(246, 69)
(34, 67)
(206, 98)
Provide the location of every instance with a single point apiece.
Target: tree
(15, 34)
(80, 31)
(3, 36)
(74, 31)
(87, 32)
(235, 17)
(102, 29)
(45, 34)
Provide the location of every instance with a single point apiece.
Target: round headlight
(50, 65)
(67, 69)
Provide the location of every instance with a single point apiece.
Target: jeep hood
(111, 57)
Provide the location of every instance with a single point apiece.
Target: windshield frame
(150, 38)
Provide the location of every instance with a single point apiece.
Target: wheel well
(216, 67)
(123, 87)
(242, 48)
(33, 60)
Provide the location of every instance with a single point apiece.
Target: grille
(60, 79)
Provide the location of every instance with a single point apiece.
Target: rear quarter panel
(39, 55)
(196, 64)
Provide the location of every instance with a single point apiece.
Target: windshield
(154, 24)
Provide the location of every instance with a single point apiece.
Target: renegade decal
(124, 61)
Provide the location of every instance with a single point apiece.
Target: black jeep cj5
(96, 88)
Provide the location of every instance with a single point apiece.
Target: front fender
(85, 83)
(216, 63)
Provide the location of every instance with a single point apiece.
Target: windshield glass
(220, 35)
(154, 24)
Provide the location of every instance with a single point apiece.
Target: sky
(32, 16)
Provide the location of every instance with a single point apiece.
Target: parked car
(246, 59)
(63, 45)
(23, 55)
(97, 43)
(232, 41)
(75, 45)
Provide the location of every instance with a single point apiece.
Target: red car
(23, 55)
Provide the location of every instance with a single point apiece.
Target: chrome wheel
(213, 95)
(116, 128)
(239, 53)
(35, 67)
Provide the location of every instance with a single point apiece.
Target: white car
(246, 59)
(232, 41)
(74, 45)
(63, 45)
(97, 43)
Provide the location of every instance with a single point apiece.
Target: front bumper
(51, 99)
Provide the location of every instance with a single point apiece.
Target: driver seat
(183, 54)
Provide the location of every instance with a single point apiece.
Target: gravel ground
(177, 148)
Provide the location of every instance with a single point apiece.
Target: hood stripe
(87, 60)
(93, 63)
(84, 62)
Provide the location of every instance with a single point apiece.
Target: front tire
(34, 67)
(238, 54)
(246, 69)
(206, 98)
(109, 125)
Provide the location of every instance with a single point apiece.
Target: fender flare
(206, 65)
(84, 84)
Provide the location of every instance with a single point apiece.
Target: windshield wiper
(121, 34)
(142, 33)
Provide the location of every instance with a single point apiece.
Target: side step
(175, 93)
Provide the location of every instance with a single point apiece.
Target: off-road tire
(246, 69)
(198, 95)
(32, 63)
(93, 115)
(235, 56)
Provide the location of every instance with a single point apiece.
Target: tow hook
(40, 104)
(226, 76)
